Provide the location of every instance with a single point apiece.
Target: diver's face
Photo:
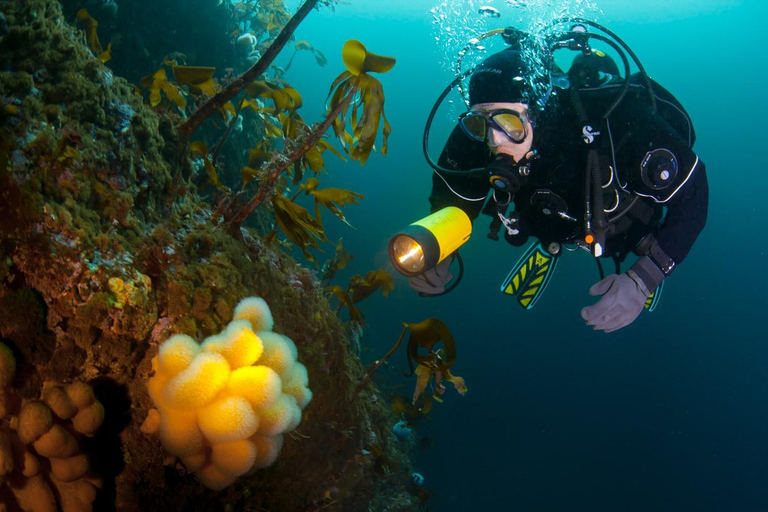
(498, 141)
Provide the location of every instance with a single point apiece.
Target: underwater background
(667, 414)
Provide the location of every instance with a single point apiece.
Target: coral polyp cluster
(42, 467)
(225, 404)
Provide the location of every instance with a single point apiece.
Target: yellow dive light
(427, 242)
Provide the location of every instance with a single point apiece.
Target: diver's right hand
(433, 281)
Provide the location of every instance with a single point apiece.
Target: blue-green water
(669, 414)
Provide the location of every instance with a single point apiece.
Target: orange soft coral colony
(41, 466)
(224, 405)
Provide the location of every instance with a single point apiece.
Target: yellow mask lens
(511, 124)
(476, 126)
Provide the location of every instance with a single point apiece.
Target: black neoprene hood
(499, 78)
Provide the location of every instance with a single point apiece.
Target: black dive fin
(653, 299)
(530, 276)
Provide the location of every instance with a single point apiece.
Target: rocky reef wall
(107, 249)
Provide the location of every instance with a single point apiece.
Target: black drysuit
(557, 179)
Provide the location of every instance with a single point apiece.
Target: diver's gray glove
(623, 299)
(433, 281)
(623, 296)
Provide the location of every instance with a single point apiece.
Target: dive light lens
(408, 254)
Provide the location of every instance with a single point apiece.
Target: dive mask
(476, 123)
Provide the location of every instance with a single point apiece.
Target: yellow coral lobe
(179, 432)
(155, 387)
(36, 495)
(284, 415)
(34, 420)
(214, 479)
(199, 383)
(243, 347)
(234, 458)
(267, 450)
(56, 443)
(195, 461)
(358, 59)
(175, 354)
(27, 465)
(60, 403)
(230, 418)
(80, 393)
(296, 384)
(256, 311)
(88, 421)
(75, 496)
(214, 343)
(279, 352)
(71, 468)
(260, 385)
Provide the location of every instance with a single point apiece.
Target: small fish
(489, 12)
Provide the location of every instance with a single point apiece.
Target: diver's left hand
(623, 300)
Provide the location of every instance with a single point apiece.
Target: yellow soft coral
(41, 466)
(256, 311)
(279, 352)
(224, 405)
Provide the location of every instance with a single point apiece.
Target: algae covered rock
(107, 249)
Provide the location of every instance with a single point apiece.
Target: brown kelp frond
(106, 55)
(368, 103)
(272, 19)
(201, 149)
(201, 83)
(292, 127)
(253, 73)
(160, 87)
(458, 382)
(409, 410)
(272, 127)
(425, 374)
(339, 261)
(298, 225)
(279, 162)
(333, 199)
(90, 26)
(381, 462)
(257, 157)
(314, 157)
(345, 301)
(362, 287)
(303, 45)
(435, 364)
(198, 78)
(359, 60)
(425, 335)
(285, 98)
(290, 124)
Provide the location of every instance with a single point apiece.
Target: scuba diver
(591, 159)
